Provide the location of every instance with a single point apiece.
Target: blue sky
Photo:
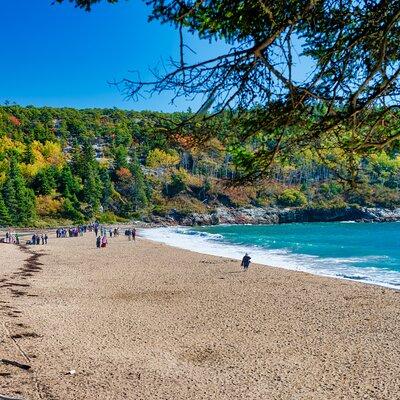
(57, 55)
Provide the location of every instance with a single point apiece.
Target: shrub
(385, 197)
(158, 158)
(331, 189)
(292, 198)
(48, 206)
(178, 184)
(108, 217)
(335, 203)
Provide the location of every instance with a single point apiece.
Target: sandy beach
(146, 321)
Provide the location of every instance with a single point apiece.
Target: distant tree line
(78, 165)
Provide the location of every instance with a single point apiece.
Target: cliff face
(224, 215)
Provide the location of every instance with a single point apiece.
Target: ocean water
(364, 252)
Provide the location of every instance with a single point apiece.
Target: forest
(63, 166)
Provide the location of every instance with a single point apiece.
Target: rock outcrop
(258, 215)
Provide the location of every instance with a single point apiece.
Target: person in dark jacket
(245, 262)
(98, 242)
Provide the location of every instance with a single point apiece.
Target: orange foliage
(240, 196)
(186, 142)
(124, 173)
(14, 120)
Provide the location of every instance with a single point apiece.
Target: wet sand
(146, 321)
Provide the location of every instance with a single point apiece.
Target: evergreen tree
(92, 190)
(107, 187)
(5, 219)
(44, 182)
(69, 211)
(10, 199)
(89, 169)
(67, 184)
(29, 156)
(120, 158)
(19, 200)
(139, 189)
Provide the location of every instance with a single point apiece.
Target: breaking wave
(368, 269)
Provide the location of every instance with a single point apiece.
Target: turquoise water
(359, 251)
(369, 252)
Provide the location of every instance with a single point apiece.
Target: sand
(146, 321)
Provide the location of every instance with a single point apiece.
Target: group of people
(37, 239)
(113, 232)
(71, 232)
(101, 233)
(11, 237)
(131, 233)
(101, 239)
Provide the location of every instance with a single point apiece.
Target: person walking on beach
(245, 262)
(134, 234)
(98, 242)
(46, 238)
(104, 241)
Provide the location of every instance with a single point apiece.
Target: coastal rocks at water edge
(270, 215)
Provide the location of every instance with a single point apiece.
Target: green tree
(68, 185)
(19, 200)
(107, 188)
(69, 211)
(44, 182)
(29, 157)
(178, 182)
(120, 154)
(10, 199)
(5, 219)
(92, 190)
(92, 187)
(138, 191)
(353, 49)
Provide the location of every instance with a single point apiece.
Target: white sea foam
(212, 244)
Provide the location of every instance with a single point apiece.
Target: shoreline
(268, 258)
(273, 258)
(144, 320)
